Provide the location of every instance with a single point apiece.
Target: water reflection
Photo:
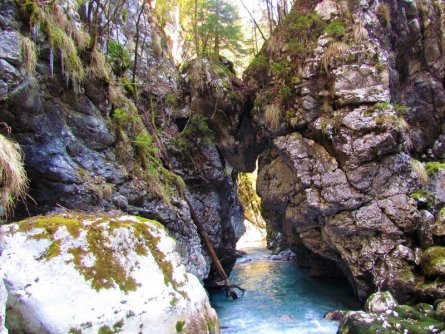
(279, 298)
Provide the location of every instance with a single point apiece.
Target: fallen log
(204, 236)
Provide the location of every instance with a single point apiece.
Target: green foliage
(260, 62)
(422, 196)
(280, 69)
(219, 28)
(172, 100)
(120, 116)
(336, 29)
(304, 23)
(433, 167)
(213, 28)
(130, 87)
(144, 142)
(296, 47)
(285, 93)
(197, 127)
(195, 134)
(119, 57)
(383, 105)
(249, 198)
(180, 324)
(400, 109)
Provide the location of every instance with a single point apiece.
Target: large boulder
(83, 273)
(3, 298)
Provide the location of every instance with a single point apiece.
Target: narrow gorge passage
(280, 297)
(120, 144)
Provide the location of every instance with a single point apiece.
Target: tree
(219, 28)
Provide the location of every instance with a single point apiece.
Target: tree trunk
(195, 28)
(137, 42)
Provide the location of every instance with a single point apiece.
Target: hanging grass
(29, 54)
(335, 50)
(13, 180)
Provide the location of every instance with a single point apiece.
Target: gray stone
(10, 47)
(380, 302)
(3, 300)
(10, 77)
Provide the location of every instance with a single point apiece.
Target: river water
(280, 297)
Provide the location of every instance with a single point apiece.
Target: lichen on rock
(78, 271)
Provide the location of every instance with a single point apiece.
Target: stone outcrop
(345, 94)
(76, 272)
(383, 315)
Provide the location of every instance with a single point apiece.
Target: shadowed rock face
(222, 98)
(344, 110)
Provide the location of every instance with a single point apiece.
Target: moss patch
(433, 261)
(107, 271)
(180, 326)
(433, 167)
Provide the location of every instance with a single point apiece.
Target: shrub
(280, 69)
(119, 57)
(259, 63)
(336, 29)
(285, 93)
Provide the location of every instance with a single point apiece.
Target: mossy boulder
(420, 319)
(380, 302)
(433, 261)
(101, 273)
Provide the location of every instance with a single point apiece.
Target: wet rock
(10, 47)
(433, 261)
(389, 317)
(10, 78)
(380, 302)
(335, 315)
(284, 256)
(94, 268)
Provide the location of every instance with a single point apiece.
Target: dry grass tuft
(272, 116)
(13, 180)
(384, 14)
(360, 33)
(29, 54)
(419, 169)
(99, 68)
(334, 51)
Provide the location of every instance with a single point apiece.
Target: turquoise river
(280, 297)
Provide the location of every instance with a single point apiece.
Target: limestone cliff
(98, 106)
(350, 98)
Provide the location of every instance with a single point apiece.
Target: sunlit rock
(91, 273)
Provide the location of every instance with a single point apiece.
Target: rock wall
(346, 95)
(87, 147)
